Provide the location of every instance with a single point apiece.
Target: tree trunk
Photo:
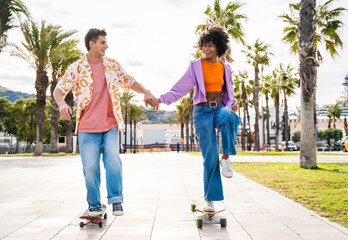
(192, 130)
(187, 133)
(125, 132)
(119, 141)
(244, 125)
(182, 130)
(286, 124)
(267, 123)
(276, 105)
(135, 136)
(54, 120)
(192, 137)
(308, 80)
(131, 135)
(256, 106)
(41, 85)
(249, 123)
(69, 99)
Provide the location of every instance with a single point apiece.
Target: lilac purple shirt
(193, 78)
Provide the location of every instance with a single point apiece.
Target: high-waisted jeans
(91, 145)
(206, 120)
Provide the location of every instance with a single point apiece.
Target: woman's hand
(234, 108)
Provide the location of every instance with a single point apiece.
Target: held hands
(151, 100)
(65, 111)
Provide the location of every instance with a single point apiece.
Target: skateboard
(94, 220)
(197, 205)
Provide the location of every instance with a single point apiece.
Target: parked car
(344, 145)
(273, 147)
(322, 146)
(291, 146)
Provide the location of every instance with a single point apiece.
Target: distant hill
(156, 117)
(152, 116)
(12, 96)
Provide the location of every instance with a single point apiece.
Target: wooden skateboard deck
(197, 205)
(94, 220)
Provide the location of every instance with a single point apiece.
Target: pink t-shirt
(98, 115)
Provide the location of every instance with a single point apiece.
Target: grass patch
(323, 190)
(43, 155)
(252, 153)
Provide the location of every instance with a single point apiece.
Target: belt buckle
(214, 102)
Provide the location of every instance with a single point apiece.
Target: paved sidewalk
(42, 198)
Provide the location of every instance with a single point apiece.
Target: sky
(154, 41)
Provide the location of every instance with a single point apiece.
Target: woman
(213, 102)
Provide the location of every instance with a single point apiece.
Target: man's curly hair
(218, 36)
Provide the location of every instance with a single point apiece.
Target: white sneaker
(208, 206)
(226, 168)
(94, 212)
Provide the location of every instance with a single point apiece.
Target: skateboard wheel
(82, 224)
(100, 224)
(193, 207)
(223, 222)
(199, 223)
(105, 216)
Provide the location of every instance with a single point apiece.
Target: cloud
(176, 3)
(18, 83)
(122, 25)
(135, 63)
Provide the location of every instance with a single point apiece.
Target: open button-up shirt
(79, 78)
(193, 78)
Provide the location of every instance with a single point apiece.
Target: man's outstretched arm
(148, 97)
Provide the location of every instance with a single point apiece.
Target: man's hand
(234, 108)
(65, 111)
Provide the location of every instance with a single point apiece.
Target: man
(96, 81)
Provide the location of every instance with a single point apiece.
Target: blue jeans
(91, 145)
(206, 120)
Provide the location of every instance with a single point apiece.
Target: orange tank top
(213, 74)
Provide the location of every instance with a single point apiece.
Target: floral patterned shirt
(79, 78)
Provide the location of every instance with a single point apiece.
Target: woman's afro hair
(218, 36)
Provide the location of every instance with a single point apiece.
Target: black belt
(211, 104)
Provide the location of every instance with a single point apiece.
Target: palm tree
(135, 114)
(238, 96)
(229, 18)
(309, 26)
(276, 87)
(245, 90)
(257, 55)
(179, 118)
(69, 99)
(266, 90)
(38, 42)
(64, 54)
(334, 112)
(192, 137)
(289, 83)
(139, 114)
(343, 100)
(185, 103)
(264, 116)
(131, 116)
(126, 98)
(9, 9)
(326, 25)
